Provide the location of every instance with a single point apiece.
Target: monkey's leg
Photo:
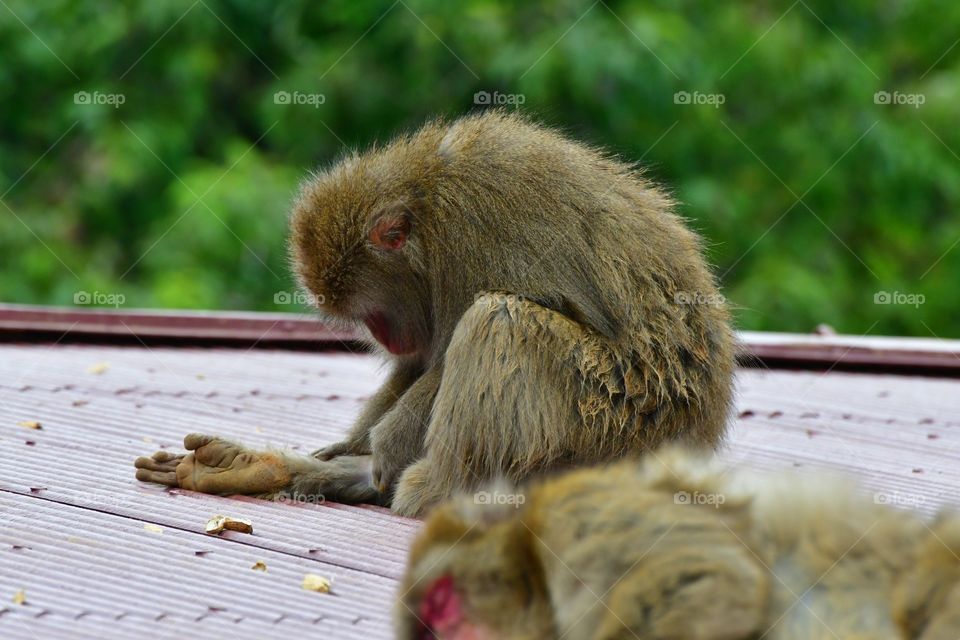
(222, 467)
(357, 442)
(397, 441)
(516, 383)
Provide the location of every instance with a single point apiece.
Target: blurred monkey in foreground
(540, 303)
(675, 547)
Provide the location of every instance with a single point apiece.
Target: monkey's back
(788, 556)
(584, 234)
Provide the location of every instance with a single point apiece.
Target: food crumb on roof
(314, 582)
(98, 368)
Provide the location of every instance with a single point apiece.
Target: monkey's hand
(348, 447)
(392, 453)
(217, 466)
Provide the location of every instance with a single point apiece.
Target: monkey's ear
(390, 228)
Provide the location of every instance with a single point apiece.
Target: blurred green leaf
(171, 183)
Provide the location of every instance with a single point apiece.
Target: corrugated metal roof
(72, 515)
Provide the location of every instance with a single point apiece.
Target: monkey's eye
(390, 231)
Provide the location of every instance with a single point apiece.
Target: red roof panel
(72, 515)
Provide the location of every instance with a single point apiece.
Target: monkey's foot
(217, 466)
(416, 492)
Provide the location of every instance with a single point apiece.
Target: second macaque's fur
(678, 548)
(540, 303)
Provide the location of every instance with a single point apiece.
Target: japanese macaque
(676, 547)
(541, 305)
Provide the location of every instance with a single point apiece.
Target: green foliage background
(178, 197)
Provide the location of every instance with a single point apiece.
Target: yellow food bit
(98, 368)
(313, 582)
(238, 524)
(20, 597)
(259, 565)
(153, 528)
(218, 523)
(30, 424)
(215, 524)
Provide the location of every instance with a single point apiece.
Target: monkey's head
(473, 576)
(356, 245)
(401, 238)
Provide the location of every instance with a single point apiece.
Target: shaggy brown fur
(540, 302)
(677, 548)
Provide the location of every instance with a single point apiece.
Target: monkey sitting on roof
(539, 302)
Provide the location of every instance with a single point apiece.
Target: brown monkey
(676, 548)
(542, 306)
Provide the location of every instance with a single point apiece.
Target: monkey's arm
(222, 467)
(357, 442)
(397, 441)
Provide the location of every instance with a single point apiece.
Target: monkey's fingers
(384, 475)
(166, 456)
(342, 448)
(213, 451)
(160, 468)
(160, 461)
(166, 478)
(324, 453)
(193, 441)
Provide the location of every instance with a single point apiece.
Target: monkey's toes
(168, 478)
(160, 468)
(213, 451)
(165, 457)
(160, 461)
(193, 441)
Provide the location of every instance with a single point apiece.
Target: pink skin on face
(379, 325)
(441, 612)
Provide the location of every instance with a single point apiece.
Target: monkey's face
(354, 246)
(476, 581)
(474, 600)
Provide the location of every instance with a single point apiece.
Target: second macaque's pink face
(442, 615)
